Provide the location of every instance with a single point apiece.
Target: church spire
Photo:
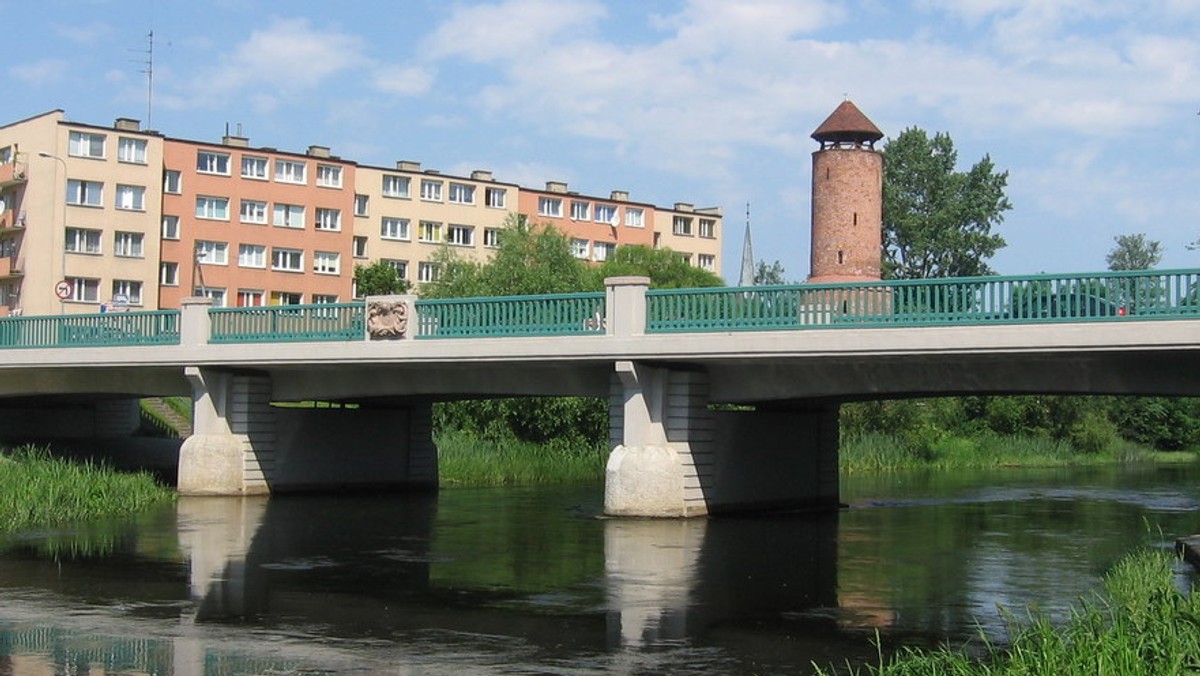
(747, 276)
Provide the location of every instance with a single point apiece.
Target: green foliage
(37, 489)
(565, 421)
(937, 221)
(465, 459)
(378, 279)
(664, 267)
(1168, 424)
(765, 275)
(1134, 252)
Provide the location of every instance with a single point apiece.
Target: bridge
(787, 355)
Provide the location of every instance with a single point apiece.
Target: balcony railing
(152, 327)
(288, 323)
(550, 315)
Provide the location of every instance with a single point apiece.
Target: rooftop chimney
(127, 124)
(481, 175)
(556, 186)
(319, 151)
(684, 206)
(619, 196)
(408, 165)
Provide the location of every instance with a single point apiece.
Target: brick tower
(847, 199)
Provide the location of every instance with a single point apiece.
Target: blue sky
(1090, 105)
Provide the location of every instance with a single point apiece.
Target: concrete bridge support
(245, 445)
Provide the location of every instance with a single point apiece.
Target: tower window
(826, 173)
(841, 257)
(856, 218)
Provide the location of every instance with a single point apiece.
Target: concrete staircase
(181, 425)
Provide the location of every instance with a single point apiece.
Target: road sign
(63, 289)
(120, 299)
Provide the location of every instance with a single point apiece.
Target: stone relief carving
(387, 320)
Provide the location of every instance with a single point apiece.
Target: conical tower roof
(847, 124)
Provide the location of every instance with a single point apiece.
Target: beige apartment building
(110, 218)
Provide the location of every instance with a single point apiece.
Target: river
(531, 580)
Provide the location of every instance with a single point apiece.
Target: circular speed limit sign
(63, 290)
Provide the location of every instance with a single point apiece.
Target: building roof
(847, 124)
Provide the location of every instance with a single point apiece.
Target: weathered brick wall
(847, 215)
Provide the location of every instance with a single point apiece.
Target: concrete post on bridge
(244, 445)
(674, 455)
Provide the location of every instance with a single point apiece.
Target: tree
(937, 222)
(766, 275)
(665, 268)
(378, 279)
(1134, 252)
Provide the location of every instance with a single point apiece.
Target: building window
(249, 298)
(580, 211)
(172, 182)
(254, 211)
(427, 272)
(580, 248)
(491, 237)
(401, 267)
(360, 205)
(460, 235)
(212, 253)
(602, 250)
(252, 256)
(360, 247)
(215, 294)
(131, 197)
(287, 260)
(685, 257)
(329, 219)
(461, 193)
(128, 244)
(170, 227)
(635, 217)
(707, 262)
(550, 206)
(329, 176)
(495, 197)
(168, 274)
(82, 240)
(285, 298)
(324, 299)
(606, 213)
(215, 208)
(287, 171)
(85, 193)
(327, 262)
(126, 292)
(431, 191)
(708, 228)
(394, 228)
(289, 215)
(208, 162)
(83, 144)
(254, 167)
(682, 226)
(85, 290)
(131, 150)
(431, 231)
(395, 186)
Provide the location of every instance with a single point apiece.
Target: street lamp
(61, 301)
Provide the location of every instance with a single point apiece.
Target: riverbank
(465, 459)
(37, 489)
(1140, 625)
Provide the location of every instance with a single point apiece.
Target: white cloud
(513, 29)
(85, 34)
(403, 80)
(43, 72)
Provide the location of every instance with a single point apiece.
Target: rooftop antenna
(149, 72)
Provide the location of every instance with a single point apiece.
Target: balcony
(12, 173)
(10, 218)
(10, 268)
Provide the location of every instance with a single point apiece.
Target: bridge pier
(245, 445)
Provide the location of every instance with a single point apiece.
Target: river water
(532, 581)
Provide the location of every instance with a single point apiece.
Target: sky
(1091, 106)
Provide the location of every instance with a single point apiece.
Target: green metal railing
(288, 323)
(549, 315)
(105, 329)
(1104, 296)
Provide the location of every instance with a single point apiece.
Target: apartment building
(117, 217)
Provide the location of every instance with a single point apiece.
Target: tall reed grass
(1139, 625)
(467, 460)
(37, 489)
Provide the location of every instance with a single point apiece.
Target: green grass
(1140, 625)
(874, 452)
(467, 460)
(37, 490)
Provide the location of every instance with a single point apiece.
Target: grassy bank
(1140, 625)
(38, 490)
(467, 460)
(874, 452)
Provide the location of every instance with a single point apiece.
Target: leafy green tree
(1134, 252)
(766, 275)
(378, 279)
(665, 268)
(937, 221)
